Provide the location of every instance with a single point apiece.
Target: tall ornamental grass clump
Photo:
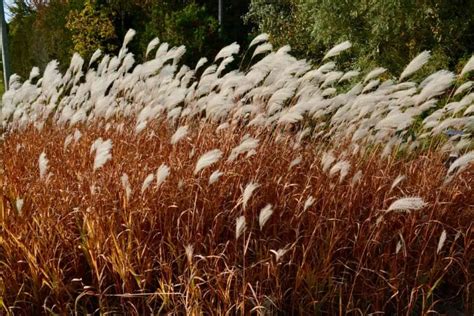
(276, 187)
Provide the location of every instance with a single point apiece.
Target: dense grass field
(276, 187)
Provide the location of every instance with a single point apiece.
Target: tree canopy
(42, 30)
(383, 33)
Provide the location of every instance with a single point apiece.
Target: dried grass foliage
(81, 243)
(274, 187)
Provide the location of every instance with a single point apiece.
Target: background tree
(91, 29)
(37, 34)
(42, 30)
(190, 25)
(21, 39)
(384, 33)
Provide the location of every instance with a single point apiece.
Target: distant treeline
(386, 33)
(42, 30)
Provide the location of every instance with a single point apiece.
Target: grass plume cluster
(156, 188)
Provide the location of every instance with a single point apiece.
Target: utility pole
(4, 43)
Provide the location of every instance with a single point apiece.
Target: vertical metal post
(219, 15)
(4, 44)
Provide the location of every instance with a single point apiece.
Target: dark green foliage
(191, 25)
(40, 30)
(384, 33)
(21, 40)
(38, 34)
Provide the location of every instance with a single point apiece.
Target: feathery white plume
(328, 92)
(77, 135)
(356, 178)
(462, 162)
(374, 73)
(264, 216)
(19, 205)
(161, 175)
(278, 99)
(223, 65)
(180, 133)
(468, 67)
(396, 120)
(178, 53)
(406, 204)
(263, 48)
(128, 37)
(227, 51)
(442, 240)
(140, 127)
(398, 247)
(349, 75)
(239, 226)
(222, 126)
(67, 141)
(95, 144)
(250, 153)
(331, 77)
(436, 85)
(102, 153)
(295, 162)
(327, 160)
(415, 65)
(248, 192)
(309, 201)
(215, 176)
(126, 185)
(189, 250)
(35, 72)
(43, 165)
(327, 67)
(397, 180)
(465, 86)
(245, 146)
(152, 45)
(259, 39)
(342, 167)
(290, 117)
(279, 253)
(207, 159)
(95, 56)
(146, 183)
(200, 63)
(284, 50)
(336, 50)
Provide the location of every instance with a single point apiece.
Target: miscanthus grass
(407, 204)
(265, 214)
(278, 187)
(102, 151)
(207, 159)
(179, 134)
(161, 175)
(215, 176)
(43, 165)
(248, 191)
(130, 227)
(240, 226)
